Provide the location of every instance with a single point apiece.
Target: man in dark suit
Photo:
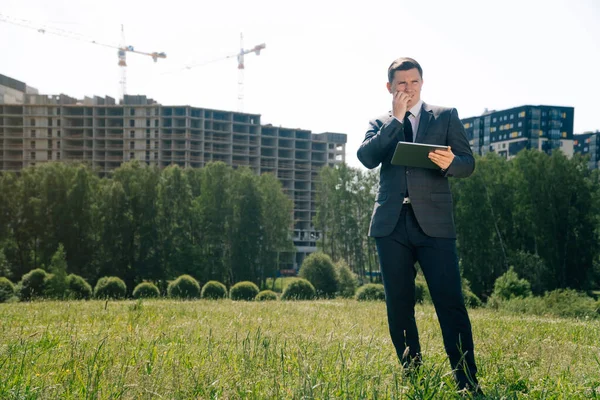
(413, 219)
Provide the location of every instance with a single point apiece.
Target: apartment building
(589, 143)
(545, 128)
(38, 128)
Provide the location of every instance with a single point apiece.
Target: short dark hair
(403, 64)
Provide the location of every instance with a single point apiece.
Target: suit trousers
(438, 259)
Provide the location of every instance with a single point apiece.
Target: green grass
(292, 350)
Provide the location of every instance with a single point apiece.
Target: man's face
(410, 82)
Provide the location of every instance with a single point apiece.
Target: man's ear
(389, 87)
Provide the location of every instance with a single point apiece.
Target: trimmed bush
(299, 289)
(319, 270)
(78, 288)
(243, 291)
(184, 287)
(266, 295)
(214, 290)
(370, 292)
(146, 290)
(32, 284)
(7, 289)
(509, 285)
(347, 280)
(110, 287)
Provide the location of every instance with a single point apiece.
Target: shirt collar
(416, 109)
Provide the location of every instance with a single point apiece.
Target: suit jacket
(428, 189)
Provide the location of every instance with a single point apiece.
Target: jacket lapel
(424, 118)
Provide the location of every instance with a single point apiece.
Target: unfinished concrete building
(39, 128)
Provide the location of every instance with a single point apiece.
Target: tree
(246, 227)
(213, 210)
(56, 283)
(174, 204)
(277, 220)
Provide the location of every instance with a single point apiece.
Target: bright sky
(325, 64)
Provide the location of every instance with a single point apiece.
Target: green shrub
(471, 299)
(184, 287)
(319, 270)
(146, 290)
(32, 284)
(110, 287)
(78, 288)
(509, 285)
(559, 303)
(214, 290)
(243, 291)
(347, 280)
(7, 289)
(279, 284)
(299, 289)
(370, 291)
(55, 285)
(266, 295)
(422, 292)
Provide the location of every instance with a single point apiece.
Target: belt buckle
(406, 200)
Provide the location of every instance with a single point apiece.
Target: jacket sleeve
(379, 139)
(463, 164)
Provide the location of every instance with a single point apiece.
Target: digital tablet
(415, 154)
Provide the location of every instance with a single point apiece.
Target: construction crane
(241, 66)
(122, 48)
(240, 57)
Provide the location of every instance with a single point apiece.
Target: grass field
(293, 350)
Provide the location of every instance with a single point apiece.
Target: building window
(522, 114)
(49, 121)
(147, 122)
(564, 115)
(58, 155)
(494, 120)
(132, 156)
(49, 155)
(32, 122)
(49, 132)
(58, 123)
(32, 144)
(520, 124)
(49, 144)
(132, 112)
(33, 133)
(131, 123)
(132, 134)
(512, 116)
(132, 145)
(32, 155)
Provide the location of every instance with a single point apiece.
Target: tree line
(142, 223)
(536, 213)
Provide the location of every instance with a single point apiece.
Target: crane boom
(122, 48)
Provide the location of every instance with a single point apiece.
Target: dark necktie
(408, 132)
(408, 137)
